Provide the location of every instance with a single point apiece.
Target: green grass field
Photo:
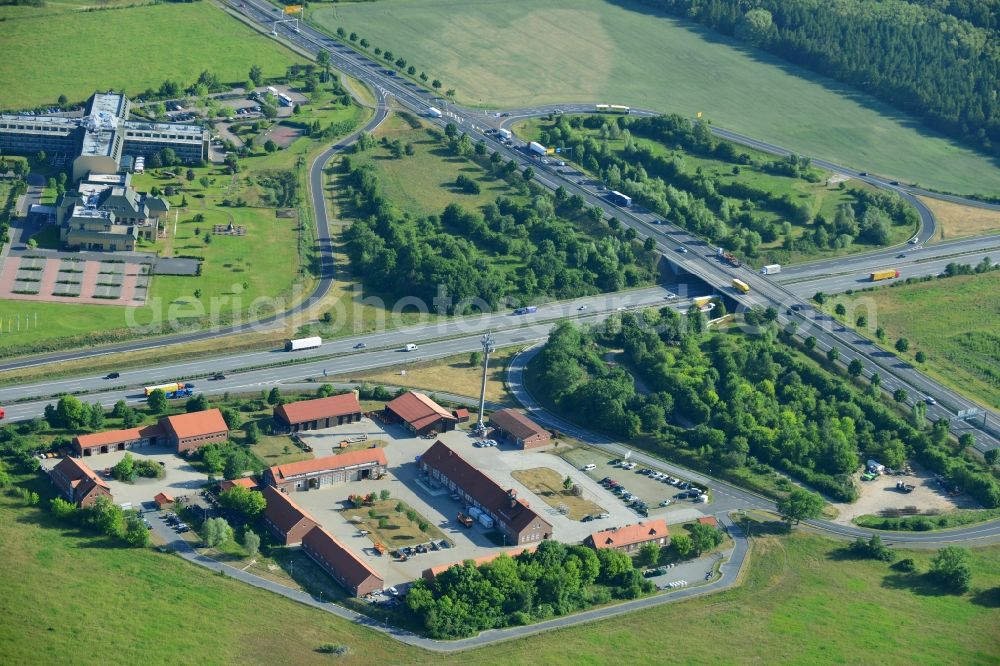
(962, 347)
(523, 53)
(59, 579)
(273, 279)
(52, 51)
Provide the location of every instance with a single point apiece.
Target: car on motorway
(219, 375)
(914, 241)
(930, 400)
(901, 256)
(682, 250)
(360, 345)
(670, 295)
(894, 182)
(112, 375)
(581, 308)
(863, 173)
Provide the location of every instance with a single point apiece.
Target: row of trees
(938, 60)
(747, 402)
(731, 211)
(458, 251)
(555, 579)
(107, 518)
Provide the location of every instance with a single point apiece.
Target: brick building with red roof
(519, 429)
(187, 432)
(319, 413)
(344, 566)
(118, 440)
(78, 483)
(631, 538)
(287, 520)
(419, 414)
(512, 516)
(327, 471)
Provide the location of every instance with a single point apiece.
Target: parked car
(665, 503)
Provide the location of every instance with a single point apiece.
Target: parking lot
(645, 487)
(405, 482)
(180, 478)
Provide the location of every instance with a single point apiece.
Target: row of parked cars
(407, 552)
(174, 521)
(631, 500)
(485, 443)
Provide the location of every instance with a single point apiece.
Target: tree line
(734, 213)
(463, 251)
(738, 402)
(555, 579)
(937, 59)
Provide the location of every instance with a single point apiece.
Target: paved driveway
(180, 479)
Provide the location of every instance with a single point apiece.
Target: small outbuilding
(163, 500)
(419, 414)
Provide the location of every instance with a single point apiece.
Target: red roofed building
(709, 520)
(419, 413)
(511, 516)
(286, 519)
(320, 413)
(78, 483)
(632, 537)
(163, 499)
(245, 482)
(346, 568)
(324, 472)
(118, 440)
(188, 432)
(519, 429)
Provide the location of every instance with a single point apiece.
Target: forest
(555, 579)
(739, 214)
(517, 249)
(936, 59)
(734, 402)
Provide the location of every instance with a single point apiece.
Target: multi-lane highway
(699, 263)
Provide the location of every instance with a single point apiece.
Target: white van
(587, 468)
(411, 347)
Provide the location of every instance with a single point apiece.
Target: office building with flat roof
(97, 142)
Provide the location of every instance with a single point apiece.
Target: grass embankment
(780, 613)
(45, 54)
(927, 523)
(453, 374)
(957, 221)
(954, 321)
(624, 53)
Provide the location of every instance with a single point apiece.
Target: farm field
(962, 348)
(43, 55)
(957, 221)
(625, 53)
(781, 613)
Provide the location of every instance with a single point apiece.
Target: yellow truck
(741, 286)
(886, 274)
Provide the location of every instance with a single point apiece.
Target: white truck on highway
(505, 134)
(434, 112)
(537, 148)
(771, 269)
(303, 343)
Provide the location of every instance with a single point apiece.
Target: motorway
(699, 263)
(253, 371)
